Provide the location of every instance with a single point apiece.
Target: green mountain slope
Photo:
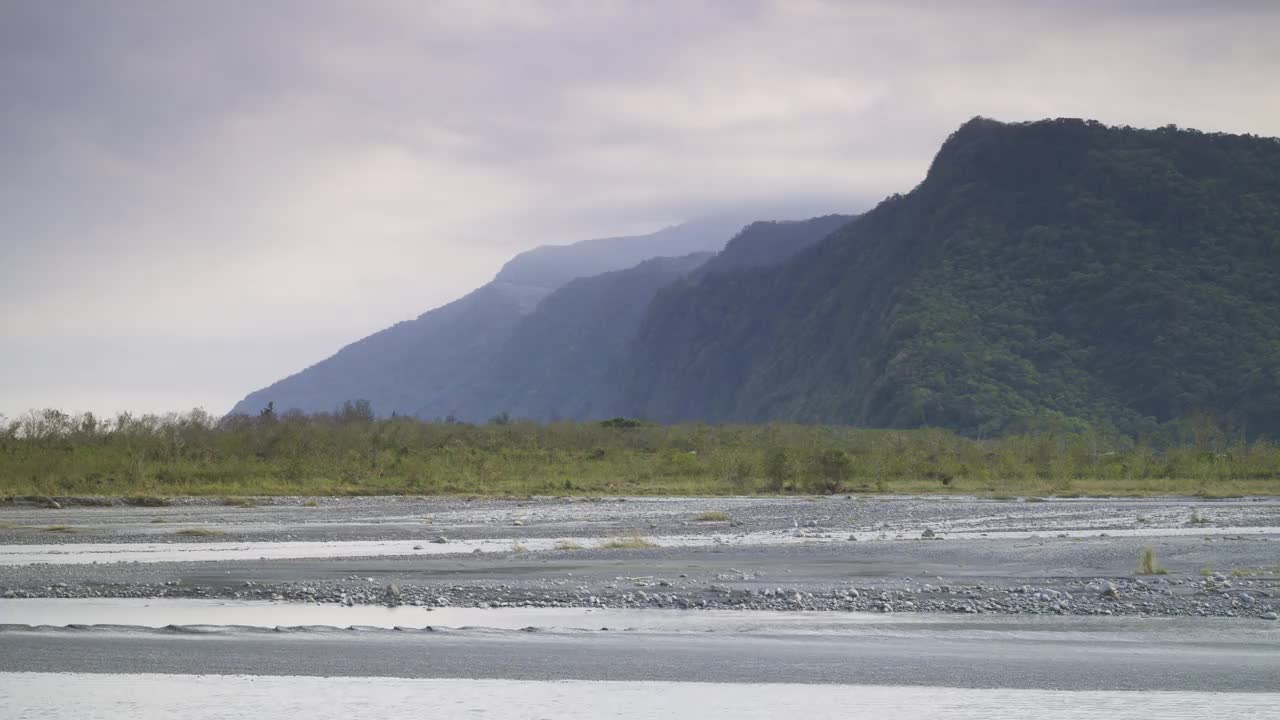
(1058, 272)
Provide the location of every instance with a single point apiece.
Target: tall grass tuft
(1149, 565)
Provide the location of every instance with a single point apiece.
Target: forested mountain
(770, 242)
(1055, 273)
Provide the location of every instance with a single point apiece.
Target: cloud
(188, 178)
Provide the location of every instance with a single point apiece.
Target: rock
(927, 533)
(1268, 616)
(417, 547)
(1109, 590)
(518, 522)
(440, 540)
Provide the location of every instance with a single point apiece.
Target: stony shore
(934, 555)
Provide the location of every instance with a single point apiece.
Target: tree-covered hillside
(1050, 273)
(770, 242)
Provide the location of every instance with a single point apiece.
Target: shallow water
(157, 613)
(161, 612)
(102, 553)
(203, 697)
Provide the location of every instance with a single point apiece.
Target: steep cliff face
(1054, 273)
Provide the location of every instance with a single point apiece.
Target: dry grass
(1149, 565)
(1254, 572)
(634, 542)
(712, 516)
(198, 532)
(146, 501)
(60, 529)
(568, 545)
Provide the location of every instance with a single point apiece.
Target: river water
(102, 553)
(34, 696)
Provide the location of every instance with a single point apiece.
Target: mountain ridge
(972, 301)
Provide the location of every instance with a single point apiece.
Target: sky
(198, 198)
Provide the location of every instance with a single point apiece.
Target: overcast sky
(198, 198)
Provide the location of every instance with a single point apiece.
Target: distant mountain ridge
(464, 359)
(415, 367)
(567, 360)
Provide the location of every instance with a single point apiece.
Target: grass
(158, 520)
(198, 532)
(153, 458)
(1254, 572)
(146, 501)
(568, 545)
(634, 542)
(60, 529)
(1206, 572)
(7, 525)
(311, 503)
(1148, 564)
(712, 516)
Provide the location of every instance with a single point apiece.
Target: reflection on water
(192, 697)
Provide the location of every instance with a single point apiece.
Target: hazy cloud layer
(201, 197)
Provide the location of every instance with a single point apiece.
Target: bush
(779, 469)
(831, 469)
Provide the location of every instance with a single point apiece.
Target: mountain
(770, 242)
(415, 367)
(433, 366)
(562, 360)
(565, 359)
(551, 266)
(1059, 273)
